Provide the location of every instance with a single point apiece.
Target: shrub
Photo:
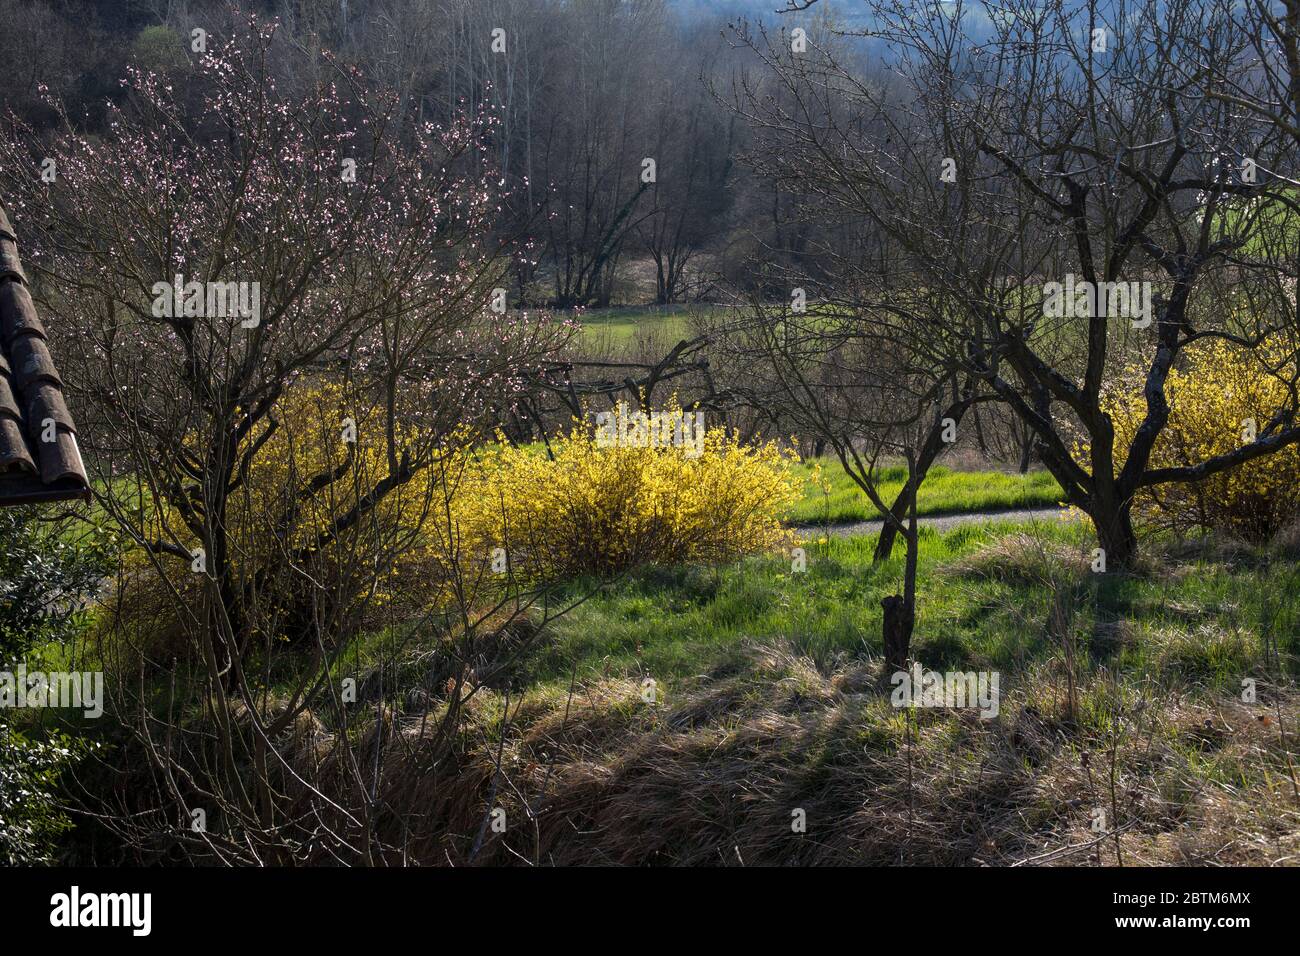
(1219, 389)
(46, 576)
(602, 510)
(45, 579)
(321, 451)
(588, 510)
(31, 818)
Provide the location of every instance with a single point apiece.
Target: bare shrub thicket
(273, 311)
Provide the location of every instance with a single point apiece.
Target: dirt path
(938, 522)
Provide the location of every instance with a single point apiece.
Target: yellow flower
(1219, 400)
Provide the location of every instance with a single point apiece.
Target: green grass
(983, 603)
(944, 491)
(758, 676)
(767, 687)
(617, 327)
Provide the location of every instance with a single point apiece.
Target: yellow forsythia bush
(1213, 397)
(277, 513)
(601, 508)
(307, 445)
(596, 508)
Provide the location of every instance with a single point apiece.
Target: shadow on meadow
(761, 745)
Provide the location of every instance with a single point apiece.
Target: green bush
(46, 578)
(47, 575)
(31, 818)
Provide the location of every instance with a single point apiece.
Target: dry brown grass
(711, 775)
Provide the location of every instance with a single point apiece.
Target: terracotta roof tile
(17, 311)
(14, 456)
(39, 457)
(8, 401)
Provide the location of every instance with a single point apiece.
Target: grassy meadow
(618, 327)
(681, 715)
(830, 496)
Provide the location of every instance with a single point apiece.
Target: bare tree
(863, 379)
(694, 145)
(1057, 152)
(274, 313)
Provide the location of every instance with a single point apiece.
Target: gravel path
(938, 522)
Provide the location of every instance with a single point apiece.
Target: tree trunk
(900, 609)
(1026, 446)
(930, 451)
(899, 620)
(888, 533)
(1115, 535)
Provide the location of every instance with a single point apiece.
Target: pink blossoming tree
(226, 244)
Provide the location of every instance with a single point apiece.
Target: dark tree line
(618, 154)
